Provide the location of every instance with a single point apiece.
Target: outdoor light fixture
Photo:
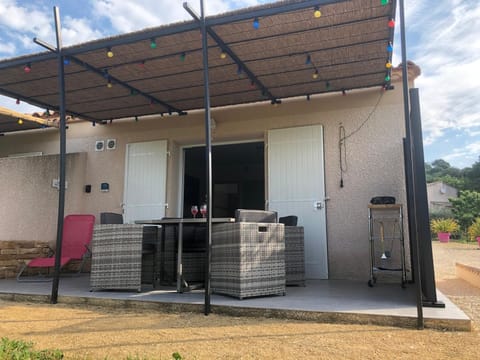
(183, 55)
(388, 65)
(315, 74)
(27, 68)
(391, 23)
(109, 53)
(153, 44)
(256, 23)
(316, 12)
(19, 121)
(390, 47)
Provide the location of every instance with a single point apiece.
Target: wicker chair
(294, 251)
(116, 257)
(248, 259)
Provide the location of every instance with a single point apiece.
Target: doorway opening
(238, 178)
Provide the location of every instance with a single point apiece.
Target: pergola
(266, 53)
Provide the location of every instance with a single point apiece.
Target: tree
(466, 208)
(472, 176)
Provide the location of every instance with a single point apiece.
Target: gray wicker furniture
(257, 216)
(294, 255)
(116, 257)
(248, 259)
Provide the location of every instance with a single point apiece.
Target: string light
(223, 55)
(142, 64)
(20, 121)
(256, 23)
(109, 84)
(153, 44)
(384, 2)
(109, 53)
(18, 101)
(388, 65)
(183, 55)
(308, 60)
(27, 68)
(66, 61)
(316, 12)
(391, 23)
(387, 77)
(390, 47)
(315, 74)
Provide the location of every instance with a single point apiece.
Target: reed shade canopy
(11, 120)
(265, 53)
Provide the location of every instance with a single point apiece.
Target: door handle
(318, 205)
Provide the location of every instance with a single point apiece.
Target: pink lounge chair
(77, 234)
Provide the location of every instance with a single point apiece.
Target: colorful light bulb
(223, 55)
(389, 47)
(387, 78)
(109, 53)
(384, 2)
(388, 65)
(315, 74)
(256, 23)
(27, 68)
(391, 23)
(317, 13)
(20, 121)
(153, 44)
(183, 56)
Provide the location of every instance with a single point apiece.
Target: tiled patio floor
(319, 300)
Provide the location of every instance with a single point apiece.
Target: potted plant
(443, 228)
(474, 231)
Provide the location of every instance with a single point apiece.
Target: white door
(296, 187)
(145, 181)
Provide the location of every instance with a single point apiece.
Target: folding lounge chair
(77, 234)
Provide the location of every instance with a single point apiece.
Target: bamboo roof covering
(292, 53)
(11, 120)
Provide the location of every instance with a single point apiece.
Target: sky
(442, 37)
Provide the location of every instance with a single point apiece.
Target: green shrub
(21, 350)
(447, 225)
(474, 229)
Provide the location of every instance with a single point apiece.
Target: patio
(337, 301)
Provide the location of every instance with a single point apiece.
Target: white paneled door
(145, 181)
(296, 186)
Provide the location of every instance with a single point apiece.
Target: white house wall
(374, 160)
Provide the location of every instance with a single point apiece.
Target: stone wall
(13, 254)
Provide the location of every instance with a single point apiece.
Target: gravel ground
(101, 333)
(462, 293)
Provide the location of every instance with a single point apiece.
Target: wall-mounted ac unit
(111, 144)
(99, 145)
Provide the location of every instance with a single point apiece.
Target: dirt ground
(100, 333)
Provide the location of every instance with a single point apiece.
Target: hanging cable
(342, 147)
(342, 140)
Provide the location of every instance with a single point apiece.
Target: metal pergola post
(63, 142)
(409, 171)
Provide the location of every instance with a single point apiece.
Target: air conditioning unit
(111, 144)
(99, 145)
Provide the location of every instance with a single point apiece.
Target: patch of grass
(21, 350)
